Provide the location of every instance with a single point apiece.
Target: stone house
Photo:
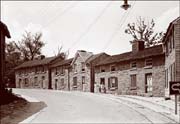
(35, 73)
(60, 74)
(139, 72)
(81, 74)
(172, 54)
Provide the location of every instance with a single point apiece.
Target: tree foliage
(144, 30)
(30, 45)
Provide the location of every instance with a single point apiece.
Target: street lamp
(125, 5)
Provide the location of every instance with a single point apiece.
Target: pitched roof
(83, 54)
(93, 57)
(147, 52)
(170, 28)
(4, 29)
(63, 62)
(33, 63)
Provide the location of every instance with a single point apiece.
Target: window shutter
(109, 83)
(116, 82)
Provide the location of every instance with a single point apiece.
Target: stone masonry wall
(124, 79)
(60, 85)
(41, 83)
(81, 87)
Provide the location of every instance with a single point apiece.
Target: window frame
(134, 62)
(113, 83)
(146, 63)
(133, 78)
(112, 69)
(82, 67)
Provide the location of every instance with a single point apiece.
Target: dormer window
(113, 68)
(82, 66)
(148, 62)
(133, 65)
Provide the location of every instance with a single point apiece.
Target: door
(83, 83)
(148, 82)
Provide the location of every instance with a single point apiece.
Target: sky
(94, 26)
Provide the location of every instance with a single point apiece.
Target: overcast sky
(95, 26)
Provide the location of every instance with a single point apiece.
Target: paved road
(87, 107)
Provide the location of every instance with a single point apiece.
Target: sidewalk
(157, 104)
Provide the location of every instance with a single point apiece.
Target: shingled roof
(33, 63)
(63, 62)
(147, 52)
(93, 57)
(4, 29)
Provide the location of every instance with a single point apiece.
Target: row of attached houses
(142, 71)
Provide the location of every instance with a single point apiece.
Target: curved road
(67, 107)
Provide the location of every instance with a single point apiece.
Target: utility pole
(4, 32)
(125, 5)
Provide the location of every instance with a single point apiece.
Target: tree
(30, 45)
(13, 58)
(144, 30)
(61, 53)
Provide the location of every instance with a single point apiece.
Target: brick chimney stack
(137, 45)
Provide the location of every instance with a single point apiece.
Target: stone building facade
(81, 73)
(60, 75)
(35, 73)
(172, 54)
(139, 72)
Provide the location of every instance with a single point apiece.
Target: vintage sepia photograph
(88, 61)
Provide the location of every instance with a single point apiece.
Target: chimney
(41, 57)
(137, 45)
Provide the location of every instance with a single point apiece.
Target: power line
(119, 27)
(90, 26)
(58, 15)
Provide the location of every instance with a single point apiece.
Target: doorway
(148, 83)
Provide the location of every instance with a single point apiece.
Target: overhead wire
(58, 15)
(122, 21)
(89, 27)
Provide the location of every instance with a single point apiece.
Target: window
(133, 65)
(74, 81)
(20, 72)
(102, 69)
(113, 68)
(75, 68)
(62, 71)
(112, 83)
(35, 81)
(26, 81)
(82, 66)
(62, 81)
(43, 69)
(56, 71)
(148, 83)
(83, 79)
(148, 62)
(36, 70)
(56, 82)
(133, 80)
(19, 84)
(43, 77)
(102, 81)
